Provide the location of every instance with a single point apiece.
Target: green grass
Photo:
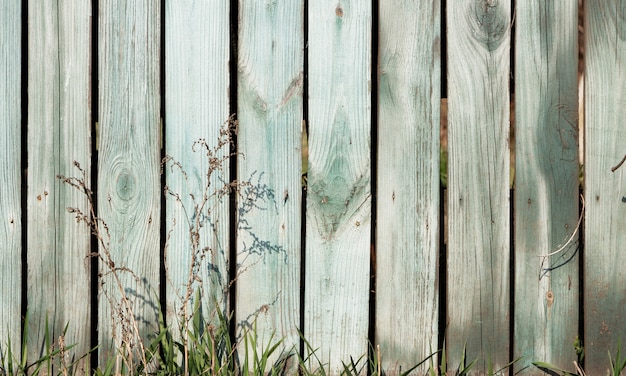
(54, 357)
(208, 349)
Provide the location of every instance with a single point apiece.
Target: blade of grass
(24, 356)
(464, 369)
(547, 367)
(10, 357)
(405, 373)
(618, 364)
(509, 365)
(311, 354)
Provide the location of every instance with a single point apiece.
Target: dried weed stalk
(123, 319)
(200, 212)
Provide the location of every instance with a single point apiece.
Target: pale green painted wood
(407, 225)
(196, 102)
(129, 163)
(10, 176)
(59, 99)
(478, 182)
(270, 105)
(546, 183)
(605, 191)
(338, 214)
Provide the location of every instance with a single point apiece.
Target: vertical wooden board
(478, 182)
(546, 184)
(338, 216)
(407, 240)
(605, 217)
(270, 105)
(58, 135)
(10, 176)
(128, 166)
(196, 103)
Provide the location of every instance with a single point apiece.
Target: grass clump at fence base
(211, 351)
(55, 356)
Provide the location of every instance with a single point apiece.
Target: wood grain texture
(478, 182)
(338, 216)
(10, 183)
(196, 103)
(407, 240)
(270, 109)
(59, 99)
(605, 217)
(129, 166)
(546, 183)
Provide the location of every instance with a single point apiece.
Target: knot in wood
(550, 298)
(339, 11)
(126, 185)
(489, 23)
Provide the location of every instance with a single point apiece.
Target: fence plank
(338, 194)
(407, 240)
(10, 183)
(546, 183)
(196, 102)
(270, 106)
(128, 176)
(605, 218)
(58, 134)
(478, 182)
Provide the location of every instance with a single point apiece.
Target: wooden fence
(358, 255)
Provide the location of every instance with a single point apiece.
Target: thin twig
(560, 248)
(619, 164)
(578, 369)
(379, 371)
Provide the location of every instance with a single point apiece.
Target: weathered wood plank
(128, 175)
(196, 103)
(270, 105)
(546, 183)
(10, 176)
(478, 182)
(59, 101)
(338, 217)
(605, 217)
(407, 241)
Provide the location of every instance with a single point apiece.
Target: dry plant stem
(195, 218)
(561, 247)
(579, 370)
(619, 164)
(379, 360)
(114, 271)
(63, 355)
(213, 355)
(96, 225)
